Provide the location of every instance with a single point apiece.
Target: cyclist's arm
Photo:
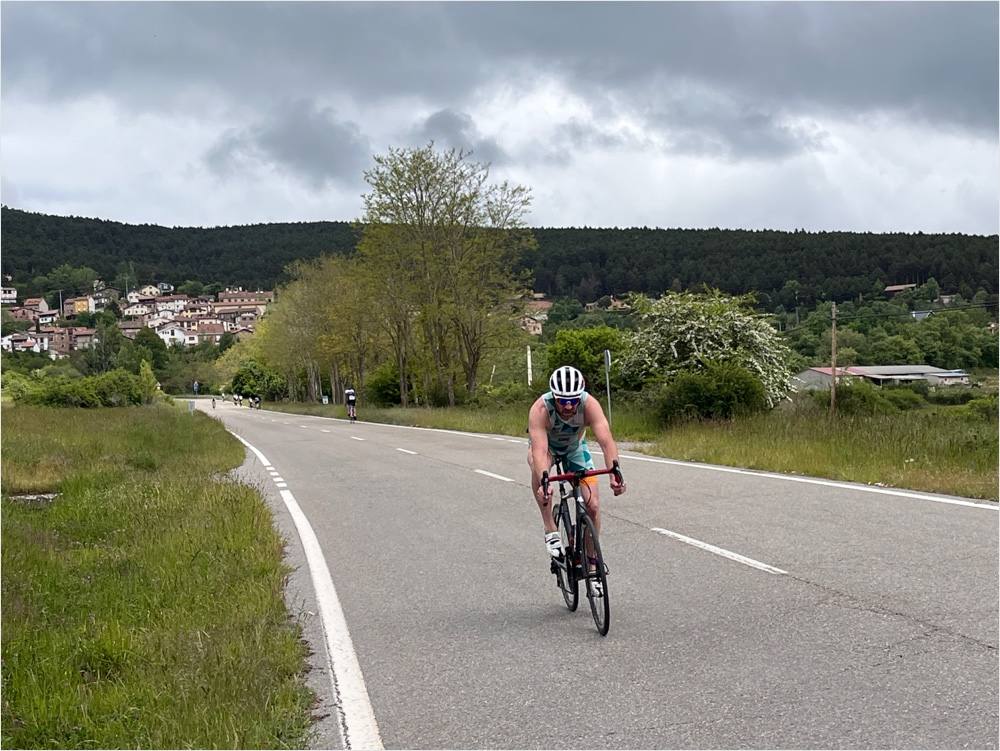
(594, 417)
(538, 433)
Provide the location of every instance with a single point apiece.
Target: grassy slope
(143, 607)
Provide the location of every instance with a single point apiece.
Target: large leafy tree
(443, 242)
(686, 331)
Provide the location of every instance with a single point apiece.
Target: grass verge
(933, 450)
(142, 607)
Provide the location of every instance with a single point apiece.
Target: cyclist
(557, 424)
(351, 398)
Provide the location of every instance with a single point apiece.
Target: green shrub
(982, 408)
(504, 395)
(719, 391)
(859, 398)
(382, 386)
(117, 388)
(903, 398)
(951, 395)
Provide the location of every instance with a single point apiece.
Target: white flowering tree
(682, 331)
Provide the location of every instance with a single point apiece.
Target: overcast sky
(823, 116)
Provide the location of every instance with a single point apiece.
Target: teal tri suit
(566, 438)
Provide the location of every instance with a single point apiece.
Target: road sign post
(607, 379)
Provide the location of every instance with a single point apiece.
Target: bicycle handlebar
(614, 469)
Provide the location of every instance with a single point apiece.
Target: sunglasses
(568, 402)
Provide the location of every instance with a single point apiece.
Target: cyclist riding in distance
(557, 424)
(351, 398)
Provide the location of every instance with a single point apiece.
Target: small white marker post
(607, 379)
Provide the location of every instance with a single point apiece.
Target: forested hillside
(583, 263)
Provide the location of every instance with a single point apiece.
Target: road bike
(582, 559)
(352, 412)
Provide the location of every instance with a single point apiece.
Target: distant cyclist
(351, 399)
(557, 424)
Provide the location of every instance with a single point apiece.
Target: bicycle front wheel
(568, 582)
(597, 578)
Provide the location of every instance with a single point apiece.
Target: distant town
(178, 319)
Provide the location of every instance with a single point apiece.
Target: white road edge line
(720, 551)
(810, 481)
(357, 718)
(490, 474)
(356, 438)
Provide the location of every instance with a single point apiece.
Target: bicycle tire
(568, 582)
(600, 607)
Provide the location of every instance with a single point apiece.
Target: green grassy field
(931, 449)
(142, 607)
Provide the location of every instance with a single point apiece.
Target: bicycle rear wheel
(600, 608)
(568, 582)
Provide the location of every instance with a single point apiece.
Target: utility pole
(529, 365)
(833, 358)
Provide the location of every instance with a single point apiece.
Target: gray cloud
(931, 60)
(457, 130)
(300, 138)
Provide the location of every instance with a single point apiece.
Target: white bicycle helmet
(566, 382)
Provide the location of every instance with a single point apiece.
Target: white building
(8, 296)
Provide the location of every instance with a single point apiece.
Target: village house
(66, 340)
(532, 326)
(895, 289)
(150, 290)
(880, 375)
(174, 335)
(136, 310)
(164, 288)
(8, 296)
(129, 329)
(25, 342)
(239, 295)
(174, 303)
(75, 305)
(24, 314)
(38, 303)
(105, 296)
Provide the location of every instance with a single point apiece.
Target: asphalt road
(882, 632)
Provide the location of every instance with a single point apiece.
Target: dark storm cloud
(457, 130)
(300, 138)
(935, 62)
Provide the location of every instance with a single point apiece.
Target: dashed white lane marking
(273, 473)
(357, 724)
(720, 551)
(356, 438)
(304, 426)
(716, 468)
(281, 484)
(490, 474)
(277, 478)
(406, 451)
(323, 430)
(515, 440)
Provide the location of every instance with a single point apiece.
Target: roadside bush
(116, 388)
(504, 395)
(904, 399)
(982, 408)
(382, 386)
(858, 399)
(951, 395)
(719, 391)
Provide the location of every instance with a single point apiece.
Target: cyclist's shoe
(553, 544)
(596, 587)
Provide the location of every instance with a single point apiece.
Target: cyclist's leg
(545, 509)
(580, 459)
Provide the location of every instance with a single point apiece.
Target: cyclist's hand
(617, 481)
(541, 496)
